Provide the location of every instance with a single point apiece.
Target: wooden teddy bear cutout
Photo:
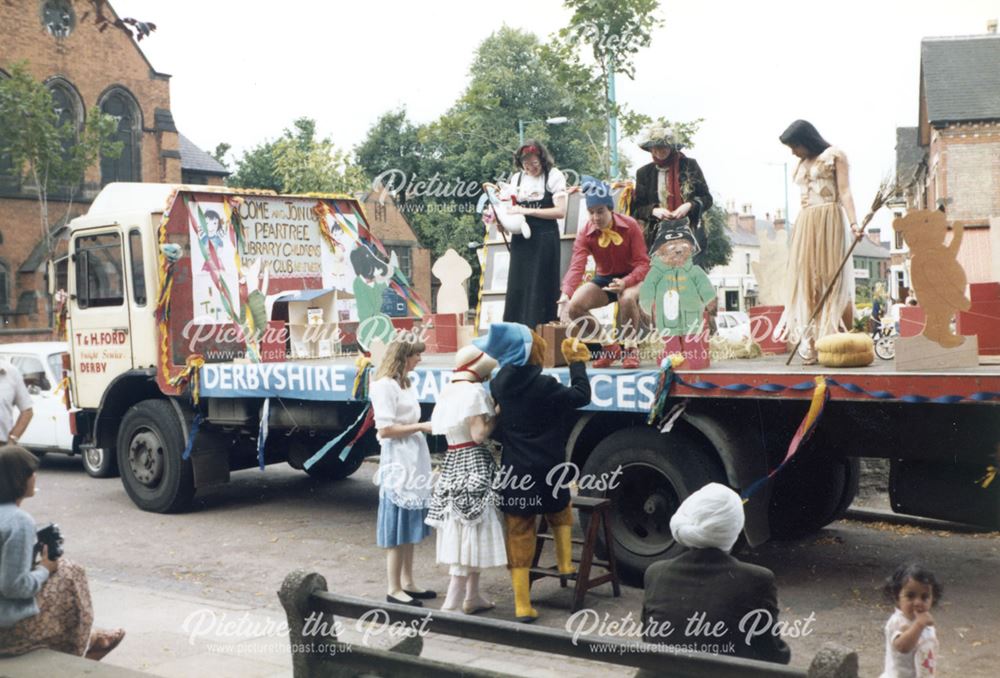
(939, 282)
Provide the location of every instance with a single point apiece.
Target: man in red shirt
(617, 244)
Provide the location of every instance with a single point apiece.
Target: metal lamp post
(558, 120)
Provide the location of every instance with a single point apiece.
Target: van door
(98, 326)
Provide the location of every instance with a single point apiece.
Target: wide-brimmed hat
(657, 134)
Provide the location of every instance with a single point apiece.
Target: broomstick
(885, 190)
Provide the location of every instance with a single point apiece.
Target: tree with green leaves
(47, 157)
(298, 162)
(615, 31)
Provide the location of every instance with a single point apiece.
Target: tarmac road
(150, 571)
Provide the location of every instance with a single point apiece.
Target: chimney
(779, 220)
(875, 235)
(747, 221)
(731, 214)
(991, 26)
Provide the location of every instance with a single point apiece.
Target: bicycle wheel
(885, 347)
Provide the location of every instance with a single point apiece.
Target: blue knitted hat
(507, 343)
(597, 192)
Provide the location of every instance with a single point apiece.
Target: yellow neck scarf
(609, 236)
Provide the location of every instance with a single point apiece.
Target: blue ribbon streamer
(195, 425)
(333, 443)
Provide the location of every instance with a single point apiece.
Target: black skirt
(533, 280)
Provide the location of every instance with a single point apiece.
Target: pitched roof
(961, 77)
(866, 248)
(909, 153)
(193, 159)
(738, 236)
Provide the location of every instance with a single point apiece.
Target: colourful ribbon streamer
(979, 396)
(265, 411)
(987, 480)
(190, 374)
(663, 386)
(821, 395)
(354, 431)
(195, 425)
(625, 197)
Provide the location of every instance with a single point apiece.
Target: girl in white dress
(464, 507)
(404, 473)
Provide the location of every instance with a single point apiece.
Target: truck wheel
(334, 469)
(809, 497)
(150, 445)
(658, 471)
(99, 463)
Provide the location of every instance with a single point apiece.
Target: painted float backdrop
(282, 245)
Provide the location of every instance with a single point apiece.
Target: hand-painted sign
(617, 391)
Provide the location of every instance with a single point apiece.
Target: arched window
(68, 109)
(121, 106)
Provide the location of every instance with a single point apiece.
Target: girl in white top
(464, 507)
(533, 278)
(404, 473)
(911, 644)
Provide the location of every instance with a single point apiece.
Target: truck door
(98, 327)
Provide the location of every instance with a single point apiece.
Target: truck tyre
(334, 469)
(150, 445)
(301, 448)
(658, 471)
(99, 463)
(807, 498)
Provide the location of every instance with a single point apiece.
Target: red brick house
(390, 225)
(952, 158)
(64, 46)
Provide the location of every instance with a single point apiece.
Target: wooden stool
(598, 509)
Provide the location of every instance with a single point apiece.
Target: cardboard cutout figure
(373, 275)
(452, 270)
(938, 278)
(676, 292)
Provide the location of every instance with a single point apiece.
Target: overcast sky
(244, 69)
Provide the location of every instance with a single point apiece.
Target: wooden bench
(49, 663)
(305, 597)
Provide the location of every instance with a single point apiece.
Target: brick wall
(390, 226)
(91, 62)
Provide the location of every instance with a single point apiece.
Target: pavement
(178, 636)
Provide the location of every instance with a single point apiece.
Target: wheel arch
(741, 456)
(124, 391)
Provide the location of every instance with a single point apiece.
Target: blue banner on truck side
(613, 390)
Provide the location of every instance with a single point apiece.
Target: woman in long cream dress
(820, 240)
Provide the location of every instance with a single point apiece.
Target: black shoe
(400, 601)
(421, 595)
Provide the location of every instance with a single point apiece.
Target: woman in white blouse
(404, 474)
(533, 281)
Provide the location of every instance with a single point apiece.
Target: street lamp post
(784, 170)
(558, 120)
